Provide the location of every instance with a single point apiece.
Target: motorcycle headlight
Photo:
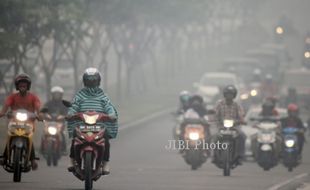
(253, 92)
(90, 119)
(289, 143)
(193, 136)
(21, 116)
(307, 54)
(228, 123)
(52, 130)
(279, 30)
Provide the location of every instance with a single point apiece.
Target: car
(211, 84)
(269, 61)
(241, 66)
(249, 130)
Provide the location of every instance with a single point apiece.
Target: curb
(286, 183)
(144, 119)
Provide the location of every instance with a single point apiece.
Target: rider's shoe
(34, 165)
(105, 168)
(71, 165)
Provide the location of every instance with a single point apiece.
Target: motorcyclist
(257, 76)
(291, 96)
(228, 108)
(92, 97)
(183, 101)
(269, 87)
(293, 120)
(23, 99)
(268, 108)
(55, 106)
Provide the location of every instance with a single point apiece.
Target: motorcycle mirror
(66, 103)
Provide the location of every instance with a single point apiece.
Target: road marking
(284, 183)
(145, 119)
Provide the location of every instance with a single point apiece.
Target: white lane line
(145, 119)
(284, 183)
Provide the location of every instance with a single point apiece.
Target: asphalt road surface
(139, 161)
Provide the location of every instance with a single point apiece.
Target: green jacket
(93, 99)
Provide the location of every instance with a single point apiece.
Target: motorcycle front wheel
(88, 171)
(17, 164)
(226, 168)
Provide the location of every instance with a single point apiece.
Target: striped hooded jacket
(93, 99)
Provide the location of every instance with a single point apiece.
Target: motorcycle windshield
(289, 130)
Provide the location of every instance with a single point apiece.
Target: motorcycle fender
(18, 142)
(86, 149)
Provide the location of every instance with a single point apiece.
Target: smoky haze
(148, 51)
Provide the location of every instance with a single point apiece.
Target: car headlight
(253, 92)
(21, 116)
(228, 123)
(307, 54)
(90, 119)
(289, 143)
(193, 136)
(52, 130)
(244, 96)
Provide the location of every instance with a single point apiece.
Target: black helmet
(22, 78)
(268, 104)
(230, 89)
(196, 99)
(91, 77)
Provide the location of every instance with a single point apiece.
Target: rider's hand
(112, 117)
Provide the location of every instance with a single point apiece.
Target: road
(139, 161)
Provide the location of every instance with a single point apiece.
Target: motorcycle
(290, 148)
(193, 135)
(19, 142)
(51, 141)
(227, 158)
(89, 145)
(266, 143)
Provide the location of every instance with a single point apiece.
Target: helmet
(57, 89)
(184, 96)
(257, 71)
(268, 104)
(196, 99)
(230, 89)
(268, 77)
(22, 78)
(292, 108)
(91, 77)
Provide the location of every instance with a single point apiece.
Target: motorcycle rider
(23, 99)
(56, 106)
(268, 87)
(257, 76)
(92, 97)
(183, 101)
(292, 96)
(293, 120)
(228, 108)
(268, 108)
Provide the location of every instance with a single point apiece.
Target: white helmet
(57, 89)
